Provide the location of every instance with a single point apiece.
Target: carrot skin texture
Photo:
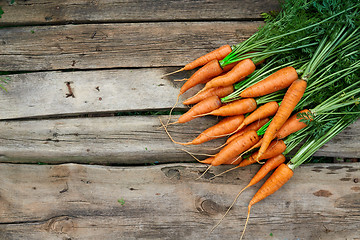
(210, 70)
(205, 106)
(253, 126)
(217, 54)
(281, 175)
(269, 165)
(281, 79)
(238, 107)
(219, 91)
(292, 125)
(275, 148)
(237, 73)
(291, 98)
(234, 161)
(264, 111)
(225, 126)
(208, 160)
(236, 147)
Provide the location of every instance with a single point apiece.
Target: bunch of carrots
(269, 90)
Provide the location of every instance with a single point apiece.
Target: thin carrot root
(180, 80)
(221, 146)
(228, 210)
(167, 74)
(167, 132)
(247, 220)
(217, 175)
(177, 100)
(191, 155)
(204, 173)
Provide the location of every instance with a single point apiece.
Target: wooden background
(74, 70)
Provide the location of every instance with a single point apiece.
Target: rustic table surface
(78, 160)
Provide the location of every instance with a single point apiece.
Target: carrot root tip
(167, 74)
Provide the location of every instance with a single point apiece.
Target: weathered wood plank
(123, 140)
(104, 140)
(93, 46)
(166, 202)
(48, 93)
(24, 12)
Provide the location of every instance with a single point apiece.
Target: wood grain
(49, 93)
(24, 12)
(125, 140)
(93, 46)
(74, 201)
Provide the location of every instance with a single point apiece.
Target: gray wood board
(105, 140)
(92, 46)
(73, 201)
(76, 11)
(125, 140)
(48, 93)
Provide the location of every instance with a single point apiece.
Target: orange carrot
(219, 91)
(275, 148)
(291, 98)
(281, 175)
(254, 126)
(238, 73)
(292, 125)
(224, 127)
(207, 161)
(270, 165)
(237, 146)
(205, 106)
(238, 107)
(210, 70)
(233, 161)
(264, 111)
(275, 82)
(217, 54)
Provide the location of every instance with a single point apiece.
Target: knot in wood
(207, 206)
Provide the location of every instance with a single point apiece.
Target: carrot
(281, 175)
(205, 106)
(217, 54)
(254, 126)
(275, 148)
(293, 124)
(281, 79)
(238, 107)
(270, 165)
(218, 91)
(224, 127)
(210, 70)
(233, 161)
(291, 98)
(264, 111)
(238, 73)
(207, 161)
(237, 146)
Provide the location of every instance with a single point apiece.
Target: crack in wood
(71, 93)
